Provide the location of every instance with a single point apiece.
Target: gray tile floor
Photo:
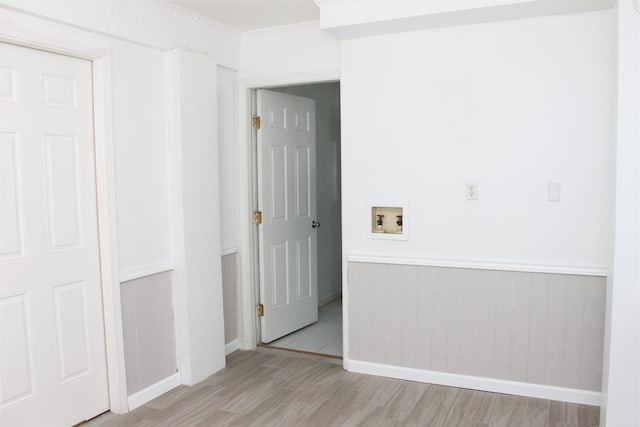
(324, 336)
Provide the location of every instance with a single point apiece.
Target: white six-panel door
(52, 350)
(287, 198)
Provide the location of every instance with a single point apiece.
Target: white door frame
(248, 292)
(105, 194)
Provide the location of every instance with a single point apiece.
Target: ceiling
(247, 15)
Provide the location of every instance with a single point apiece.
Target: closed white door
(287, 199)
(52, 350)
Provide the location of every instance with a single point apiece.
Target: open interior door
(287, 199)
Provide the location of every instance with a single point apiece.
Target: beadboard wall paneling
(536, 328)
(230, 297)
(149, 333)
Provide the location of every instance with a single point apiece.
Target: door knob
(315, 224)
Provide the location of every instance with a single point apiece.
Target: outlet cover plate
(471, 191)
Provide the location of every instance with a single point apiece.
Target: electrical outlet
(553, 191)
(471, 191)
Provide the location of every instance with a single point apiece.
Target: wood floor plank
(506, 410)
(478, 410)
(428, 409)
(189, 410)
(588, 416)
(404, 401)
(137, 417)
(535, 412)
(338, 408)
(259, 388)
(456, 413)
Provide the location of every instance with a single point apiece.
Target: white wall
(140, 159)
(288, 50)
(152, 23)
(228, 148)
(509, 105)
(362, 18)
(622, 351)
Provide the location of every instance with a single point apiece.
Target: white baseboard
(477, 383)
(148, 394)
(329, 299)
(232, 346)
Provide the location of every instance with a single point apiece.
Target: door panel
(16, 368)
(52, 350)
(303, 190)
(11, 240)
(280, 268)
(71, 331)
(62, 194)
(278, 178)
(286, 196)
(304, 267)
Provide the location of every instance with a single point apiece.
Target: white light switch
(471, 191)
(553, 191)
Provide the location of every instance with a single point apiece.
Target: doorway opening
(280, 266)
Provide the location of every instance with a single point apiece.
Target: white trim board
(231, 346)
(331, 298)
(477, 383)
(482, 264)
(148, 394)
(230, 250)
(305, 77)
(145, 270)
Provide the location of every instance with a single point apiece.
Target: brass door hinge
(261, 310)
(257, 217)
(256, 122)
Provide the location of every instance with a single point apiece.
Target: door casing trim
(249, 294)
(105, 195)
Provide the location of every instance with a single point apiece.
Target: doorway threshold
(302, 353)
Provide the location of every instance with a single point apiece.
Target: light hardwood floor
(268, 388)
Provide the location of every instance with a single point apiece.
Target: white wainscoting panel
(536, 328)
(149, 332)
(230, 299)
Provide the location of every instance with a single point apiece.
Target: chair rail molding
(481, 264)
